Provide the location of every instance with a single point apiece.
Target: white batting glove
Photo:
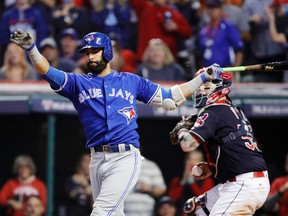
(23, 39)
(210, 73)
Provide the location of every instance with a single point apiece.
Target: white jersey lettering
(97, 93)
(119, 94)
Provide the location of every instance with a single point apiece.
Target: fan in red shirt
(277, 200)
(158, 20)
(181, 188)
(15, 192)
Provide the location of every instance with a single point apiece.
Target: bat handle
(210, 71)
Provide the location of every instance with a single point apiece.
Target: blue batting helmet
(98, 40)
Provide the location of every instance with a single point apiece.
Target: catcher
(232, 154)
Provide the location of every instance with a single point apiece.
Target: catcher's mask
(210, 92)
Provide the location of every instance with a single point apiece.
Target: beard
(96, 67)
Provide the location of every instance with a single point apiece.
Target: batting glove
(23, 39)
(212, 72)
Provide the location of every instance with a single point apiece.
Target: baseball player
(106, 104)
(233, 157)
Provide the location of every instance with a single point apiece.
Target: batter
(105, 101)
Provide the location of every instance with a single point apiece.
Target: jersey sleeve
(234, 37)
(61, 82)
(55, 78)
(146, 90)
(205, 126)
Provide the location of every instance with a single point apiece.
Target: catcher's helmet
(210, 92)
(98, 40)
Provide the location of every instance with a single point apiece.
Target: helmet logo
(98, 41)
(89, 39)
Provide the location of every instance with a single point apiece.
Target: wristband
(203, 77)
(34, 55)
(31, 47)
(194, 84)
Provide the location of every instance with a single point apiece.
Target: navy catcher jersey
(235, 156)
(106, 106)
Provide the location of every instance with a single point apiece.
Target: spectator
(236, 15)
(183, 188)
(46, 6)
(25, 16)
(16, 67)
(150, 186)
(15, 192)
(158, 63)
(123, 59)
(262, 48)
(68, 15)
(219, 40)
(278, 27)
(166, 207)
(153, 24)
(186, 48)
(277, 200)
(34, 206)
(69, 45)
(112, 19)
(50, 50)
(278, 22)
(79, 190)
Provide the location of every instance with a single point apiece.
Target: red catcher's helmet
(210, 92)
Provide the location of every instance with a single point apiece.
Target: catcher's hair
(21, 159)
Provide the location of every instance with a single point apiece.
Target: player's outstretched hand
(22, 39)
(210, 73)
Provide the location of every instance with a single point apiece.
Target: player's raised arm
(26, 41)
(205, 74)
(179, 93)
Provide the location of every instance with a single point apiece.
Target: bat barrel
(234, 69)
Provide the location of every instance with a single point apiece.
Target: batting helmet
(98, 40)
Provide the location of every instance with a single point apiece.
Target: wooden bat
(269, 67)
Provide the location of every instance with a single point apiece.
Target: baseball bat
(270, 66)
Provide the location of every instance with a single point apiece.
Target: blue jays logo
(89, 39)
(128, 112)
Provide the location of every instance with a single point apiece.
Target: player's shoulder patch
(201, 120)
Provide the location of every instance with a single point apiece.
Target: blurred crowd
(25, 194)
(163, 40)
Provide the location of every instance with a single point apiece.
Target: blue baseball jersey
(235, 156)
(106, 106)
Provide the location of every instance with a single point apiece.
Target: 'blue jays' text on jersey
(106, 106)
(236, 156)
